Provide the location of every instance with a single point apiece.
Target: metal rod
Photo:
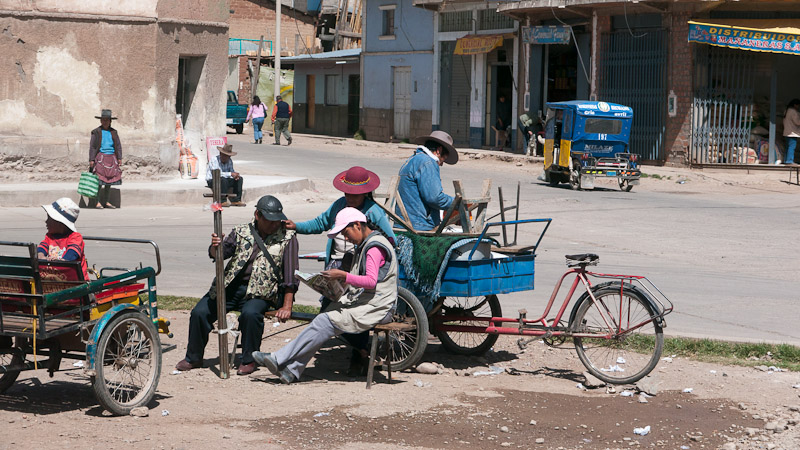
(502, 214)
(224, 364)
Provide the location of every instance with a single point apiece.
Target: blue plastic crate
(485, 276)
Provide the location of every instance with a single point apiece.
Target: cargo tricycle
(110, 326)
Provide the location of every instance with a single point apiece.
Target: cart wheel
(127, 363)
(627, 356)
(575, 180)
(407, 346)
(464, 343)
(625, 185)
(7, 379)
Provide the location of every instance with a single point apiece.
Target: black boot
(358, 364)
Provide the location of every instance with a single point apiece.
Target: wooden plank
(502, 214)
(397, 218)
(480, 214)
(453, 205)
(463, 215)
(224, 364)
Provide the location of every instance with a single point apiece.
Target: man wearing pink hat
(371, 291)
(420, 185)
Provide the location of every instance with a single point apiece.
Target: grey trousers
(296, 354)
(282, 127)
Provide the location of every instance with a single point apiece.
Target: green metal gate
(633, 72)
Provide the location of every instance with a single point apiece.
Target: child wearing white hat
(62, 241)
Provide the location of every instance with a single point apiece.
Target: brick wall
(253, 18)
(679, 81)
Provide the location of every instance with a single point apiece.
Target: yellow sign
(475, 45)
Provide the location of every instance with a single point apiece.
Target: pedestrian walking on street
(791, 129)
(105, 157)
(257, 112)
(281, 113)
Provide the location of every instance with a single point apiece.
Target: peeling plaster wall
(53, 84)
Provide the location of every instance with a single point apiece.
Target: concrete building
(65, 60)
(707, 80)
(326, 92)
(397, 70)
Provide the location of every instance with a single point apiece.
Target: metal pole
(224, 364)
(773, 94)
(277, 46)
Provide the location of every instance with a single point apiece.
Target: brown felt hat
(227, 149)
(445, 140)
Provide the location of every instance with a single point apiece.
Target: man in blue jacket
(420, 184)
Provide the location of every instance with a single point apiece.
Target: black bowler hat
(270, 208)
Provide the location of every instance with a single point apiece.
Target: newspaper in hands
(328, 287)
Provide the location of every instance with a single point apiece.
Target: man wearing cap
(281, 113)
(254, 282)
(62, 241)
(420, 184)
(229, 178)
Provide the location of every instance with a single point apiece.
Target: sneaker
(287, 377)
(289, 141)
(277, 143)
(184, 365)
(225, 204)
(267, 360)
(246, 369)
(778, 162)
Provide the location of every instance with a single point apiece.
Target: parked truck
(236, 114)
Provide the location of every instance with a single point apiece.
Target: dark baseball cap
(270, 208)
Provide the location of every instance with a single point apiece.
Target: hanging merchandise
(187, 163)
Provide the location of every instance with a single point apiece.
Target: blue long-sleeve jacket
(326, 220)
(420, 188)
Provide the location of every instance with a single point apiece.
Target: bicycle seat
(585, 259)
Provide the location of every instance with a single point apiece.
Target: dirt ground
(534, 403)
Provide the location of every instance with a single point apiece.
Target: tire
(575, 180)
(625, 357)
(624, 185)
(127, 363)
(239, 128)
(462, 343)
(7, 379)
(407, 347)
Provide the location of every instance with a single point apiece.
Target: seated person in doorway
(258, 278)
(229, 178)
(371, 293)
(420, 184)
(62, 241)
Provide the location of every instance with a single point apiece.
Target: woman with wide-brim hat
(105, 157)
(357, 184)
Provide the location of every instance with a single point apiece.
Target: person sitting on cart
(62, 241)
(357, 184)
(253, 282)
(369, 296)
(420, 184)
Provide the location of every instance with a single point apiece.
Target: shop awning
(477, 44)
(776, 36)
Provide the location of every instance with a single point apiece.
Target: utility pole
(277, 50)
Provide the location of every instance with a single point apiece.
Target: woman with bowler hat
(357, 184)
(105, 157)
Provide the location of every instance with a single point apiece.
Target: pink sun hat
(345, 218)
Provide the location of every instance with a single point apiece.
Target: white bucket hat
(65, 211)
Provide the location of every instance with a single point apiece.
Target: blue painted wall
(320, 69)
(413, 33)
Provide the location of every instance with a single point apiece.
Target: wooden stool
(386, 329)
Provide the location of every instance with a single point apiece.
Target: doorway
(310, 101)
(502, 85)
(402, 102)
(189, 71)
(353, 100)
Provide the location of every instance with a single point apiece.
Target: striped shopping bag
(88, 185)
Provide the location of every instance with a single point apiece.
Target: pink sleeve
(375, 260)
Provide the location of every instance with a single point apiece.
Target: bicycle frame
(542, 327)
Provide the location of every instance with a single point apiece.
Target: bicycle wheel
(7, 379)
(462, 343)
(628, 350)
(127, 363)
(407, 347)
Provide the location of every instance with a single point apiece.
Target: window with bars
(388, 22)
(455, 21)
(489, 19)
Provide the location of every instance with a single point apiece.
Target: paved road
(728, 260)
